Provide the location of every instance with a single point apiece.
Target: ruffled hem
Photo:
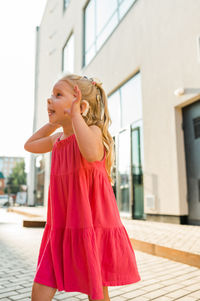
(85, 259)
(44, 281)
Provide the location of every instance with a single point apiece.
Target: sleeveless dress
(84, 245)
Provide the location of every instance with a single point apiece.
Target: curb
(23, 212)
(169, 253)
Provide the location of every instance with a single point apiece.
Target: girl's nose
(49, 100)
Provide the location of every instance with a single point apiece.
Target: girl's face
(62, 97)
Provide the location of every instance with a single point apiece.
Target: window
(89, 31)
(100, 19)
(68, 55)
(125, 104)
(115, 111)
(123, 170)
(106, 20)
(131, 99)
(65, 4)
(196, 125)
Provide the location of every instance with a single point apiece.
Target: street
(162, 279)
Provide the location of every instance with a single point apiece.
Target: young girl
(85, 247)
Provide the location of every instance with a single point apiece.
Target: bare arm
(89, 139)
(41, 141)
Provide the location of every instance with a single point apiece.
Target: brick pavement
(176, 236)
(162, 279)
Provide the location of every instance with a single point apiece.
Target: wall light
(179, 91)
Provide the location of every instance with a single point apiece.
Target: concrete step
(34, 222)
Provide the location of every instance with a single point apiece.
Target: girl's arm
(89, 139)
(40, 142)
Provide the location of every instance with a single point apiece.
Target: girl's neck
(65, 135)
(67, 132)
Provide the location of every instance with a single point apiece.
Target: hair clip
(94, 80)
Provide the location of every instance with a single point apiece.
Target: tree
(17, 178)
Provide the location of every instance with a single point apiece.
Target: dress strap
(59, 137)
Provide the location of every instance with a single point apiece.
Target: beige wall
(159, 39)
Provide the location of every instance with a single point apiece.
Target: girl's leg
(42, 292)
(105, 293)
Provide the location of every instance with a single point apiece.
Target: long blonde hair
(98, 113)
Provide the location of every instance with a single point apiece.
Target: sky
(18, 21)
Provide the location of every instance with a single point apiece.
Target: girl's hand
(75, 107)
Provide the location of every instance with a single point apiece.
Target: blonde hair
(98, 113)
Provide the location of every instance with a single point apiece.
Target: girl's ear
(84, 107)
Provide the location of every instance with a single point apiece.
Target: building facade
(147, 55)
(7, 164)
(2, 183)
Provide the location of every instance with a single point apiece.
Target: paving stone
(156, 293)
(195, 294)
(20, 296)
(190, 281)
(28, 284)
(10, 288)
(170, 281)
(65, 297)
(139, 299)
(152, 287)
(187, 298)
(173, 287)
(62, 296)
(119, 298)
(178, 293)
(114, 293)
(25, 289)
(193, 287)
(7, 294)
(136, 293)
(162, 298)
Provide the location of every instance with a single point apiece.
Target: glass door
(136, 174)
(124, 171)
(113, 171)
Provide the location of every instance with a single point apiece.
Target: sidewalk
(180, 243)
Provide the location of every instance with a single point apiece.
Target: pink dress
(84, 245)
